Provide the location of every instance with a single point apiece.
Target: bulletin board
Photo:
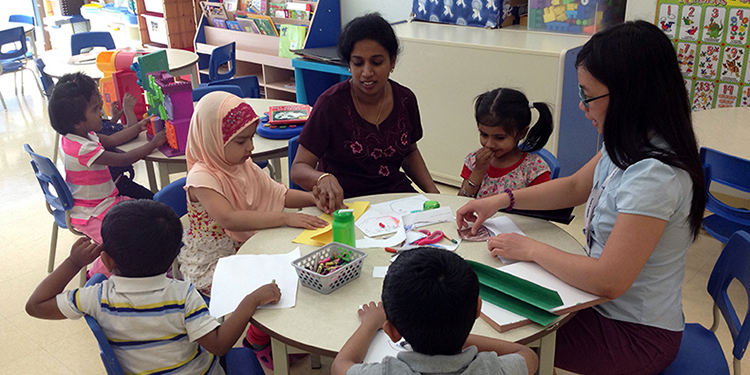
(711, 40)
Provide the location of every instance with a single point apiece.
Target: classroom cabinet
(166, 23)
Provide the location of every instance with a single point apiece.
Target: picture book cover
(248, 25)
(291, 37)
(288, 114)
(234, 25)
(219, 22)
(265, 24)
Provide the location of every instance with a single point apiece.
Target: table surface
(322, 323)
(264, 148)
(9, 25)
(56, 63)
(724, 129)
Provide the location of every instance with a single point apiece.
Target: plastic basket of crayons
(330, 267)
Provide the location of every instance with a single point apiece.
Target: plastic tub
(329, 282)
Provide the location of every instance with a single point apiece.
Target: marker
(381, 225)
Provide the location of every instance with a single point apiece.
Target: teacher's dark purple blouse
(365, 159)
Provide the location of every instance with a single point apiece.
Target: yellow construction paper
(324, 236)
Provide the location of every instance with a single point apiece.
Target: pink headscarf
(217, 119)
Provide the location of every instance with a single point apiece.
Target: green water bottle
(343, 227)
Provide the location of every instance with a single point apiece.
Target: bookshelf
(175, 18)
(259, 54)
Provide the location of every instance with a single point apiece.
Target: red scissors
(432, 237)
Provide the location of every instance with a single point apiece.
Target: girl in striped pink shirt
(75, 111)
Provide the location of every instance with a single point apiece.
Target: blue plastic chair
(219, 56)
(79, 41)
(14, 60)
(733, 172)
(173, 195)
(291, 154)
(238, 361)
(552, 163)
(47, 83)
(199, 92)
(22, 18)
(59, 200)
(700, 351)
(249, 85)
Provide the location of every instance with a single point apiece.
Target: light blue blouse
(649, 188)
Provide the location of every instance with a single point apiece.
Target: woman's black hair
(69, 101)
(509, 109)
(371, 26)
(647, 97)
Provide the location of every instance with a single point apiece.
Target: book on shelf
(288, 114)
(265, 24)
(291, 37)
(230, 5)
(273, 6)
(214, 10)
(248, 25)
(219, 22)
(234, 25)
(260, 6)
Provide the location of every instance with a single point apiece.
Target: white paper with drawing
(502, 224)
(239, 275)
(381, 346)
(384, 218)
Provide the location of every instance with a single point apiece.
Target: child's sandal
(263, 354)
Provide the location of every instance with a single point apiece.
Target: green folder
(516, 295)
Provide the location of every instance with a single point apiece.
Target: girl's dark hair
(67, 105)
(647, 97)
(509, 109)
(371, 26)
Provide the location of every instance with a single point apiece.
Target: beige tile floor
(31, 346)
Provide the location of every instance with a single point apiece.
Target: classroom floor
(32, 346)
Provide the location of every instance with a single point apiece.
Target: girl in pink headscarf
(229, 197)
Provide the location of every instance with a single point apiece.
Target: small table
(300, 326)
(265, 149)
(28, 30)
(181, 62)
(724, 129)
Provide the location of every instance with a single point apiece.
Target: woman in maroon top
(361, 132)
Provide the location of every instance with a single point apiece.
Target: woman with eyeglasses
(644, 195)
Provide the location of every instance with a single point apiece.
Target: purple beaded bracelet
(512, 200)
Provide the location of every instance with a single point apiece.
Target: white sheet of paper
(500, 315)
(394, 240)
(379, 272)
(382, 346)
(388, 214)
(429, 217)
(502, 224)
(533, 272)
(239, 275)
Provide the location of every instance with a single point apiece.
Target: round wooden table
(265, 149)
(724, 129)
(181, 62)
(322, 323)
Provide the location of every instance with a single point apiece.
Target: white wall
(391, 10)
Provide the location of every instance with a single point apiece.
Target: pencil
(449, 239)
(273, 281)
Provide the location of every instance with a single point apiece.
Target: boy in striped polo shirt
(153, 323)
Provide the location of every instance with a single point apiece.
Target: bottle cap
(343, 215)
(428, 205)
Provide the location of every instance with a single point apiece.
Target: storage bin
(328, 283)
(154, 6)
(574, 16)
(157, 30)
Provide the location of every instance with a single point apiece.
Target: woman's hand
(514, 246)
(329, 196)
(300, 220)
(477, 211)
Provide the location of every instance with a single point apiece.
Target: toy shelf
(259, 54)
(176, 21)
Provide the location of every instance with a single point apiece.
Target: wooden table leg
(163, 175)
(547, 354)
(151, 177)
(280, 357)
(194, 76)
(276, 162)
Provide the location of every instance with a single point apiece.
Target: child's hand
(300, 220)
(159, 139)
(116, 110)
(143, 124)
(372, 315)
(128, 102)
(269, 293)
(483, 158)
(84, 252)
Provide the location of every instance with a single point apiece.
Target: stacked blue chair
(731, 171)
(249, 85)
(58, 199)
(700, 351)
(22, 18)
(220, 56)
(238, 361)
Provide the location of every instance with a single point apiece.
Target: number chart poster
(711, 39)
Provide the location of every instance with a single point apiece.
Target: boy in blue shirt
(431, 299)
(152, 323)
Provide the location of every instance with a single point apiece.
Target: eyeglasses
(586, 100)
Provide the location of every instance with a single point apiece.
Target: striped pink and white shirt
(91, 184)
